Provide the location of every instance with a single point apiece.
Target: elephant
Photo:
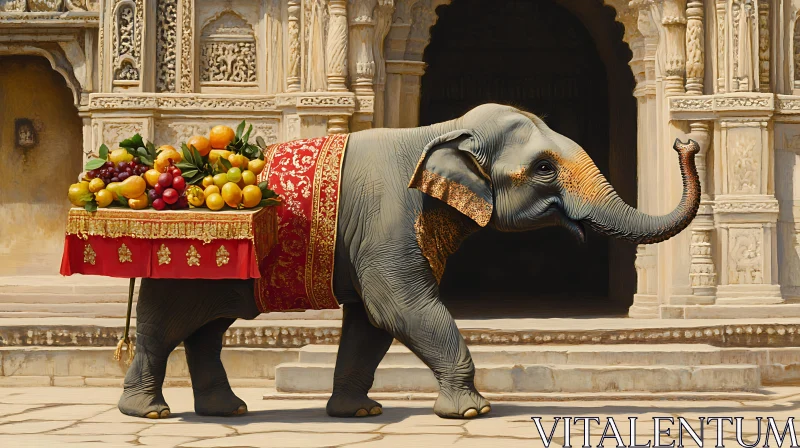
(408, 198)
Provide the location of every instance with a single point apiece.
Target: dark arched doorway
(564, 61)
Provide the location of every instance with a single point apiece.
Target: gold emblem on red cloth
(298, 273)
(88, 255)
(223, 257)
(163, 255)
(192, 257)
(125, 255)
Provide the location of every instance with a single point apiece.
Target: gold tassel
(125, 341)
(118, 352)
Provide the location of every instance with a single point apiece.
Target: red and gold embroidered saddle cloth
(298, 272)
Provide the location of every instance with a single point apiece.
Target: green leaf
(146, 160)
(122, 201)
(90, 206)
(93, 164)
(199, 161)
(247, 134)
(142, 152)
(225, 163)
(189, 173)
(151, 149)
(133, 142)
(185, 166)
(263, 186)
(104, 151)
(269, 202)
(197, 179)
(239, 130)
(186, 153)
(261, 143)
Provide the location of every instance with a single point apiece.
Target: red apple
(165, 180)
(170, 196)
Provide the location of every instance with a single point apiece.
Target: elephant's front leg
(142, 395)
(408, 307)
(212, 391)
(361, 349)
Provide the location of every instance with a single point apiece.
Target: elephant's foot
(143, 404)
(219, 401)
(460, 403)
(352, 405)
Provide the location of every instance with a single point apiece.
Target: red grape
(159, 189)
(115, 179)
(122, 165)
(176, 172)
(183, 202)
(109, 164)
(123, 175)
(137, 160)
(179, 183)
(170, 196)
(159, 204)
(152, 195)
(165, 180)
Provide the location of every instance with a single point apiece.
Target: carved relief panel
(113, 132)
(179, 131)
(228, 52)
(126, 42)
(746, 159)
(743, 45)
(745, 256)
(166, 45)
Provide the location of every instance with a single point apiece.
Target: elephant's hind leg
(361, 348)
(212, 391)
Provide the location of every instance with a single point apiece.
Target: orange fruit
(251, 196)
(214, 201)
(248, 177)
(238, 161)
(211, 189)
(256, 166)
(151, 176)
(220, 136)
(232, 194)
(200, 143)
(208, 180)
(138, 203)
(103, 198)
(96, 185)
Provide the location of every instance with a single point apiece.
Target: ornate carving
(322, 101)
(745, 168)
(179, 132)
(745, 257)
(187, 20)
(293, 57)
(742, 102)
(124, 254)
(763, 45)
(228, 51)
(12, 5)
(702, 271)
(743, 29)
(172, 102)
(45, 5)
(115, 132)
(695, 67)
(746, 207)
(362, 60)
(166, 43)
(122, 102)
(336, 46)
(164, 255)
(127, 40)
(674, 25)
(267, 130)
(787, 104)
(691, 104)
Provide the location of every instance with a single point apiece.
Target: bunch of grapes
(169, 192)
(111, 172)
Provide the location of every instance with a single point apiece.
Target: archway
(40, 156)
(548, 57)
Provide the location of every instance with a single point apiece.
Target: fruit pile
(214, 172)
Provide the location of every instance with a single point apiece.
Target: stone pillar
(702, 271)
(695, 64)
(746, 210)
(763, 46)
(186, 53)
(336, 46)
(293, 57)
(383, 22)
(721, 38)
(402, 91)
(675, 29)
(362, 60)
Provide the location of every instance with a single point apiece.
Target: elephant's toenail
(471, 413)
(486, 409)
(361, 413)
(242, 410)
(152, 414)
(376, 411)
(165, 413)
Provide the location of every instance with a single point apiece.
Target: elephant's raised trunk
(595, 201)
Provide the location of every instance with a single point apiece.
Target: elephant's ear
(449, 171)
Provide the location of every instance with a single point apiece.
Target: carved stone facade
(723, 72)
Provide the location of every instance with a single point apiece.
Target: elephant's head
(505, 168)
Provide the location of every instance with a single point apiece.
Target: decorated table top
(126, 243)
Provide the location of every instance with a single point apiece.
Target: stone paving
(87, 417)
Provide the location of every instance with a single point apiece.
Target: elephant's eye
(544, 168)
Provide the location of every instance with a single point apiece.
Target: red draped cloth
(298, 272)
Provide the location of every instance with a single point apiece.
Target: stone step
(611, 355)
(304, 378)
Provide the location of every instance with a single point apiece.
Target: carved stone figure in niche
(228, 51)
(25, 133)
